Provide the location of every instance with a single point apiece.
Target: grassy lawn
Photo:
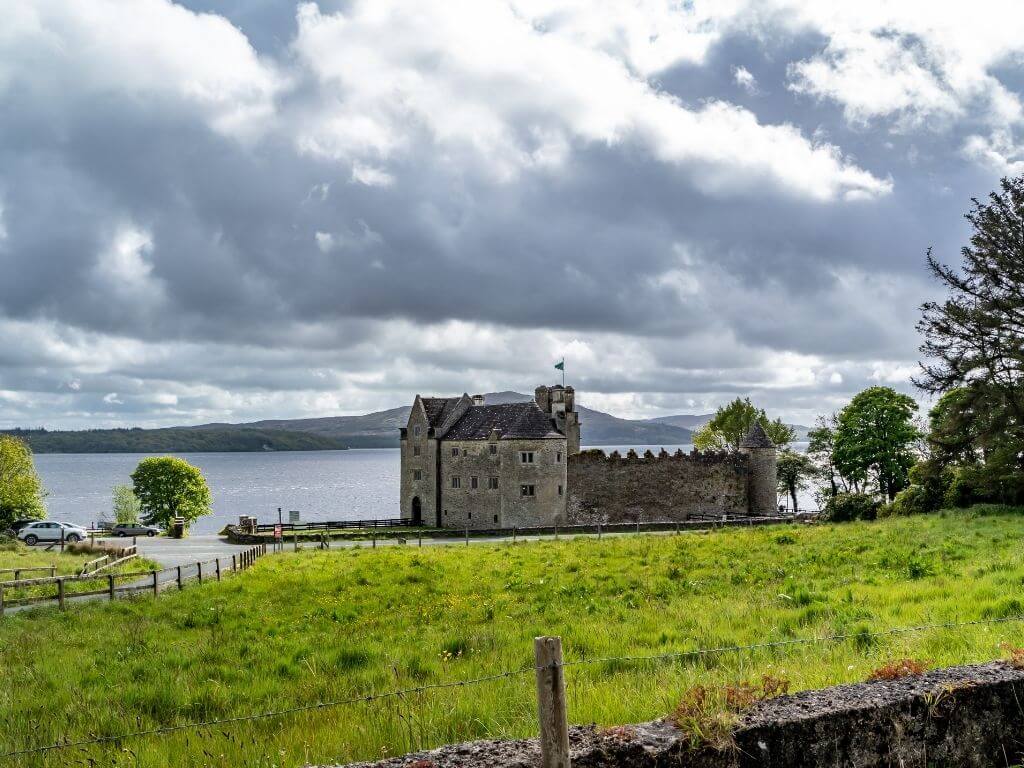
(300, 628)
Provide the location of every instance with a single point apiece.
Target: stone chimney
(478, 399)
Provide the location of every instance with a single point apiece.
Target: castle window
(526, 490)
(558, 457)
(473, 482)
(494, 449)
(526, 457)
(456, 482)
(415, 450)
(495, 518)
(492, 483)
(470, 517)
(416, 430)
(559, 490)
(465, 452)
(417, 474)
(455, 451)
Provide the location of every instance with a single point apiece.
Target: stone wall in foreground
(961, 717)
(664, 486)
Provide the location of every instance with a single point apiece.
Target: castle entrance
(417, 511)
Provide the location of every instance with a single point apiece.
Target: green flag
(560, 366)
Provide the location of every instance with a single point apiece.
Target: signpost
(278, 536)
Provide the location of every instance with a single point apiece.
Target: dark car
(134, 529)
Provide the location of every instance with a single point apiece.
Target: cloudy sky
(236, 209)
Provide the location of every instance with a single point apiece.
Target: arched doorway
(417, 511)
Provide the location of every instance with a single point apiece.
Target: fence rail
(153, 582)
(394, 522)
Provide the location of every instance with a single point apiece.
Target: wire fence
(539, 669)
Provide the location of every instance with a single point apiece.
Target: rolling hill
(174, 440)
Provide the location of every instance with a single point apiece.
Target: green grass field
(16, 555)
(300, 628)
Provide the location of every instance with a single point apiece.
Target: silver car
(50, 530)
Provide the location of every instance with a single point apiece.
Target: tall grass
(313, 626)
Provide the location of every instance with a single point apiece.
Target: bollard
(60, 593)
(179, 577)
(110, 586)
(551, 711)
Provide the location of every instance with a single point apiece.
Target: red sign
(277, 531)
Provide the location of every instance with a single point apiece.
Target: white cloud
(371, 176)
(745, 79)
(477, 77)
(111, 398)
(998, 151)
(123, 267)
(919, 62)
(146, 50)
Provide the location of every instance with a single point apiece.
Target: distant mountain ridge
(371, 430)
(380, 429)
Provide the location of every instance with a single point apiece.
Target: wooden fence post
(218, 569)
(53, 571)
(419, 535)
(598, 531)
(60, 593)
(110, 586)
(156, 586)
(296, 537)
(551, 711)
(233, 566)
(467, 536)
(199, 568)
(375, 539)
(556, 531)
(179, 577)
(1, 601)
(514, 531)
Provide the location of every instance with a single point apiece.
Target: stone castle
(466, 464)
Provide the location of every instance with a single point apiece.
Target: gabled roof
(438, 408)
(514, 421)
(757, 438)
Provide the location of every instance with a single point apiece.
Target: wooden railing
(327, 525)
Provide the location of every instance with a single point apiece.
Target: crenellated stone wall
(663, 486)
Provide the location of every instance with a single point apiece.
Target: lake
(322, 485)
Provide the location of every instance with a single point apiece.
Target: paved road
(192, 549)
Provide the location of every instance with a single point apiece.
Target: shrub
(844, 507)
(894, 670)
(912, 500)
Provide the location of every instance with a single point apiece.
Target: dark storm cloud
(226, 268)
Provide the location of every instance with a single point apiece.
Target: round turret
(762, 479)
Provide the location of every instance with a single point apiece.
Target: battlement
(596, 455)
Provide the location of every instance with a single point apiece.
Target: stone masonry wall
(504, 506)
(655, 487)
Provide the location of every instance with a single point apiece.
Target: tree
(874, 440)
(169, 487)
(732, 422)
(975, 338)
(793, 471)
(126, 505)
(21, 490)
(822, 448)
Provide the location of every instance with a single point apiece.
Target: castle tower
(762, 489)
(560, 403)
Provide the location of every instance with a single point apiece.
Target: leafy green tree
(169, 487)
(794, 471)
(126, 505)
(731, 424)
(21, 490)
(874, 440)
(822, 449)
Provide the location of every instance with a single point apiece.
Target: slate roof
(757, 438)
(438, 408)
(514, 421)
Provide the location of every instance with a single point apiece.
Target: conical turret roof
(757, 438)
